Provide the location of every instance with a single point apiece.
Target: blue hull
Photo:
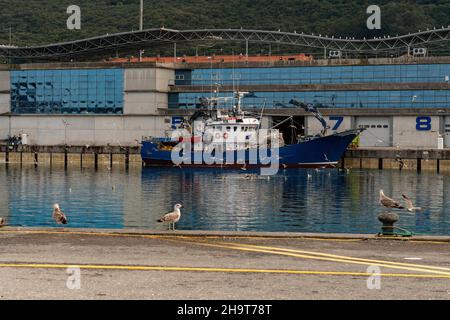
(316, 153)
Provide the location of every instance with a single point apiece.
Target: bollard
(96, 161)
(127, 158)
(388, 219)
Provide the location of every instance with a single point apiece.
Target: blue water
(327, 201)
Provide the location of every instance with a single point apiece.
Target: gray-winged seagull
(409, 204)
(388, 202)
(173, 217)
(58, 215)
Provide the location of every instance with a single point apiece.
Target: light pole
(141, 21)
(66, 124)
(141, 25)
(9, 43)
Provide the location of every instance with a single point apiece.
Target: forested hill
(44, 21)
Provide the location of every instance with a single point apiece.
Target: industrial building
(402, 101)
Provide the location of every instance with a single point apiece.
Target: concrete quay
(109, 156)
(141, 264)
(394, 158)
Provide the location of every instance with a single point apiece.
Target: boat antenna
(262, 113)
(234, 75)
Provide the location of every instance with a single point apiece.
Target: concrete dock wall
(72, 157)
(393, 158)
(116, 156)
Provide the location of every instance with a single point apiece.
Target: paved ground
(33, 265)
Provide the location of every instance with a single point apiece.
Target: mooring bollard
(388, 219)
(127, 158)
(96, 161)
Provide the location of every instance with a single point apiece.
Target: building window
(96, 91)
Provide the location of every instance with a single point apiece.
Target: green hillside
(38, 22)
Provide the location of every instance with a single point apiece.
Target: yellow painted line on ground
(261, 249)
(162, 236)
(429, 242)
(339, 256)
(314, 257)
(76, 233)
(218, 270)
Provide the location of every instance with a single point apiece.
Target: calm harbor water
(294, 200)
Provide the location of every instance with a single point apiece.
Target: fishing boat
(230, 137)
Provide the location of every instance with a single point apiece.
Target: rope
(403, 233)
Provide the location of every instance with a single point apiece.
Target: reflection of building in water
(85, 196)
(4, 196)
(235, 203)
(212, 199)
(151, 193)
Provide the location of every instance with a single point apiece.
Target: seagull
(400, 161)
(388, 202)
(173, 217)
(58, 215)
(409, 204)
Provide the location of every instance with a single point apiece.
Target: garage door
(378, 131)
(447, 132)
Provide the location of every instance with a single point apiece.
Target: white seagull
(388, 202)
(173, 217)
(58, 215)
(409, 204)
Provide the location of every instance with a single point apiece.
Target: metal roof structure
(131, 42)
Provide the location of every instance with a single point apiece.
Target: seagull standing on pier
(409, 204)
(58, 215)
(388, 202)
(173, 217)
(400, 161)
